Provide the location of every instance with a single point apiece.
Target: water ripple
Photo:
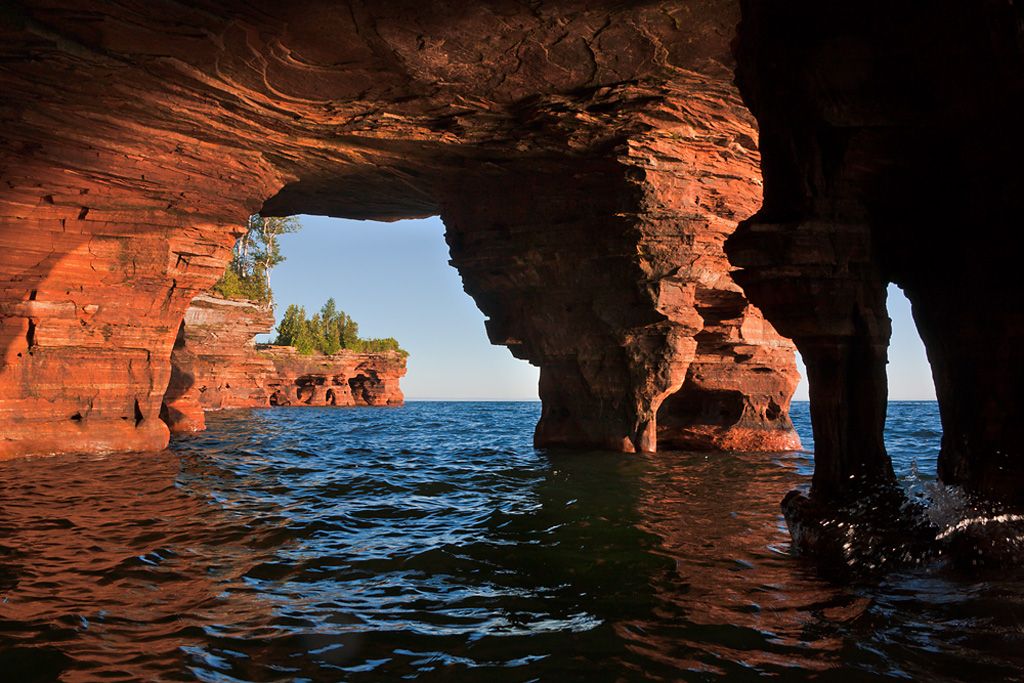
(433, 542)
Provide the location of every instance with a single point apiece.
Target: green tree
(328, 331)
(380, 345)
(291, 326)
(349, 333)
(255, 253)
(316, 331)
(331, 329)
(306, 342)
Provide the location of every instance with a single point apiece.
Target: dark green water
(432, 542)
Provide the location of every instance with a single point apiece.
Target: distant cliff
(216, 364)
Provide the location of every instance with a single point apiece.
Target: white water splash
(978, 521)
(952, 511)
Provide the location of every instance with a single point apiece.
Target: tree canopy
(328, 331)
(255, 253)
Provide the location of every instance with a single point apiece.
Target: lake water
(432, 542)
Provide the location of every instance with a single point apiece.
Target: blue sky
(395, 281)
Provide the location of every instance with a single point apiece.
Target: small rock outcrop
(216, 364)
(346, 378)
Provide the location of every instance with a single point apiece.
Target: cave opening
(912, 435)
(394, 279)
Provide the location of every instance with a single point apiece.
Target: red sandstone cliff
(588, 159)
(345, 378)
(216, 364)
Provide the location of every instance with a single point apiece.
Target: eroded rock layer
(616, 284)
(345, 378)
(216, 364)
(588, 158)
(891, 149)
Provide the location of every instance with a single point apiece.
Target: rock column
(820, 286)
(550, 252)
(890, 143)
(603, 264)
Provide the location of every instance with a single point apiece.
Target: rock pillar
(890, 151)
(603, 265)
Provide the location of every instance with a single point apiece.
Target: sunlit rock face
(215, 364)
(345, 378)
(891, 146)
(588, 158)
(609, 273)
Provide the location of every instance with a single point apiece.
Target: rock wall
(216, 364)
(588, 159)
(616, 284)
(890, 150)
(345, 378)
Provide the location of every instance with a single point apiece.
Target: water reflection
(434, 543)
(113, 569)
(735, 600)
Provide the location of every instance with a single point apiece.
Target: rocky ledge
(216, 364)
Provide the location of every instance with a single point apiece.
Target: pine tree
(291, 326)
(305, 343)
(349, 333)
(255, 253)
(330, 320)
(327, 331)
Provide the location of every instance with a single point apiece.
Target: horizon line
(537, 400)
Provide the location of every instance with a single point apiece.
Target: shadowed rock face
(215, 364)
(891, 146)
(588, 158)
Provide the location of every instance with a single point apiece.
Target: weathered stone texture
(588, 158)
(345, 378)
(611, 276)
(891, 144)
(216, 364)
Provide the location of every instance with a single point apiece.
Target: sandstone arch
(589, 160)
(571, 149)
